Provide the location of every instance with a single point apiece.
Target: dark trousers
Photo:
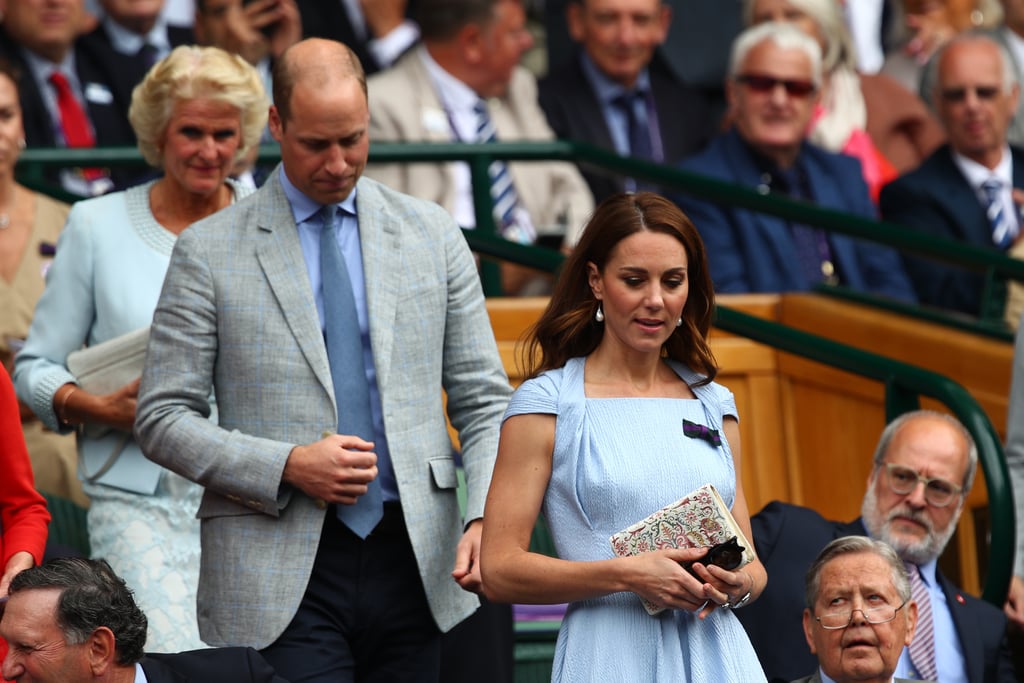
(364, 617)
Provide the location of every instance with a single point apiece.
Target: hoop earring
(599, 314)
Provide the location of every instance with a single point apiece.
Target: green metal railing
(904, 384)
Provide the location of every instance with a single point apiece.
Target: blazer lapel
(382, 254)
(280, 255)
(962, 202)
(970, 636)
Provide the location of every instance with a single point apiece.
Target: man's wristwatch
(739, 603)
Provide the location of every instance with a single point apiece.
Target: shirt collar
(605, 88)
(128, 42)
(44, 67)
(303, 208)
(455, 95)
(976, 174)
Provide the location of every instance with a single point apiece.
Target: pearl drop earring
(599, 314)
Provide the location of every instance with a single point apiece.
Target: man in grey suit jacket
(239, 315)
(859, 613)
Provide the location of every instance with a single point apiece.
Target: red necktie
(77, 131)
(73, 121)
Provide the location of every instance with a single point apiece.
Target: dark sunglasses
(983, 92)
(764, 84)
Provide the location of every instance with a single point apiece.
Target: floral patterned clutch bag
(698, 520)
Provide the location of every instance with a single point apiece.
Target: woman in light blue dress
(195, 114)
(595, 438)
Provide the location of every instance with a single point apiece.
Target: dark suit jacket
(755, 252)
(328, 19)
(121, 71)
(216, 665)
(109, 119)
(686, 117)
(936, 199)
(787, 539)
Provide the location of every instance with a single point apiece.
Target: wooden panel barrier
(808, 430)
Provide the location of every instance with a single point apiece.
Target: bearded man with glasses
(860, 614)
(924, 466)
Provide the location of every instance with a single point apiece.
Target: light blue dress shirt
(305, 211)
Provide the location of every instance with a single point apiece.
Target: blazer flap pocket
(443, 470)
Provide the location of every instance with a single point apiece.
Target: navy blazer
(329, 19)
(936, 199)
(687, 117)
(755, 252)
(215, 665)
(788, 538)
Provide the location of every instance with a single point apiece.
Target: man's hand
(1014, 607)
(383, 16)
(335, 469)
(467, 559)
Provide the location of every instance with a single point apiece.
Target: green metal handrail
(904, 384)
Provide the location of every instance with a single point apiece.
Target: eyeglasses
(937, 492)
(982, 92)
(874, 615)
(760, 83)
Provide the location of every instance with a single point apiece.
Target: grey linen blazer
(237, 316)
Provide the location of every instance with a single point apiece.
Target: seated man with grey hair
(860, 613)
(772, 90)
(73, 620)
(922, 471)
(965, 190)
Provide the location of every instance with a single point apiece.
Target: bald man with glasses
(923, 468)
(966, 190)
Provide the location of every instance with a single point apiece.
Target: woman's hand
(721, 586)
(74, 405)
(659, 577)
(18, 563)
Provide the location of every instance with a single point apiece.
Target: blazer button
(320, 503)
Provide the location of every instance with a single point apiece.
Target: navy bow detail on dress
(699, 431)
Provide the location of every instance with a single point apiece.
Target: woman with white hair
(195, 114)
(871, 117)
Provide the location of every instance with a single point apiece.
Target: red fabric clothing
(23, 515)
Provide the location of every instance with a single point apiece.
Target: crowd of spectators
(900, 110)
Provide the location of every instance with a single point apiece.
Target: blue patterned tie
(639, 135)
(503, 190)
(348, 374)
(1002, 229)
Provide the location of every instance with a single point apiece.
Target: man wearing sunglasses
(860, 613)
(964, 191)
(772, 92)
(923, 468)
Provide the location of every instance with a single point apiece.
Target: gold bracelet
(62, 410)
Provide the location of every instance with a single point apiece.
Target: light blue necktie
(348, 374)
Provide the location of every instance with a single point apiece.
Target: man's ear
(808, 632)
(911, 621)
(470, 40)
(101, 649)
(573, 20)
(275, 123)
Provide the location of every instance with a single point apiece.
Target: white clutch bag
(107, 366)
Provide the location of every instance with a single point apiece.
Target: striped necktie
(348, 374)
(1003, 231)
(503, 190)
(922, 648)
